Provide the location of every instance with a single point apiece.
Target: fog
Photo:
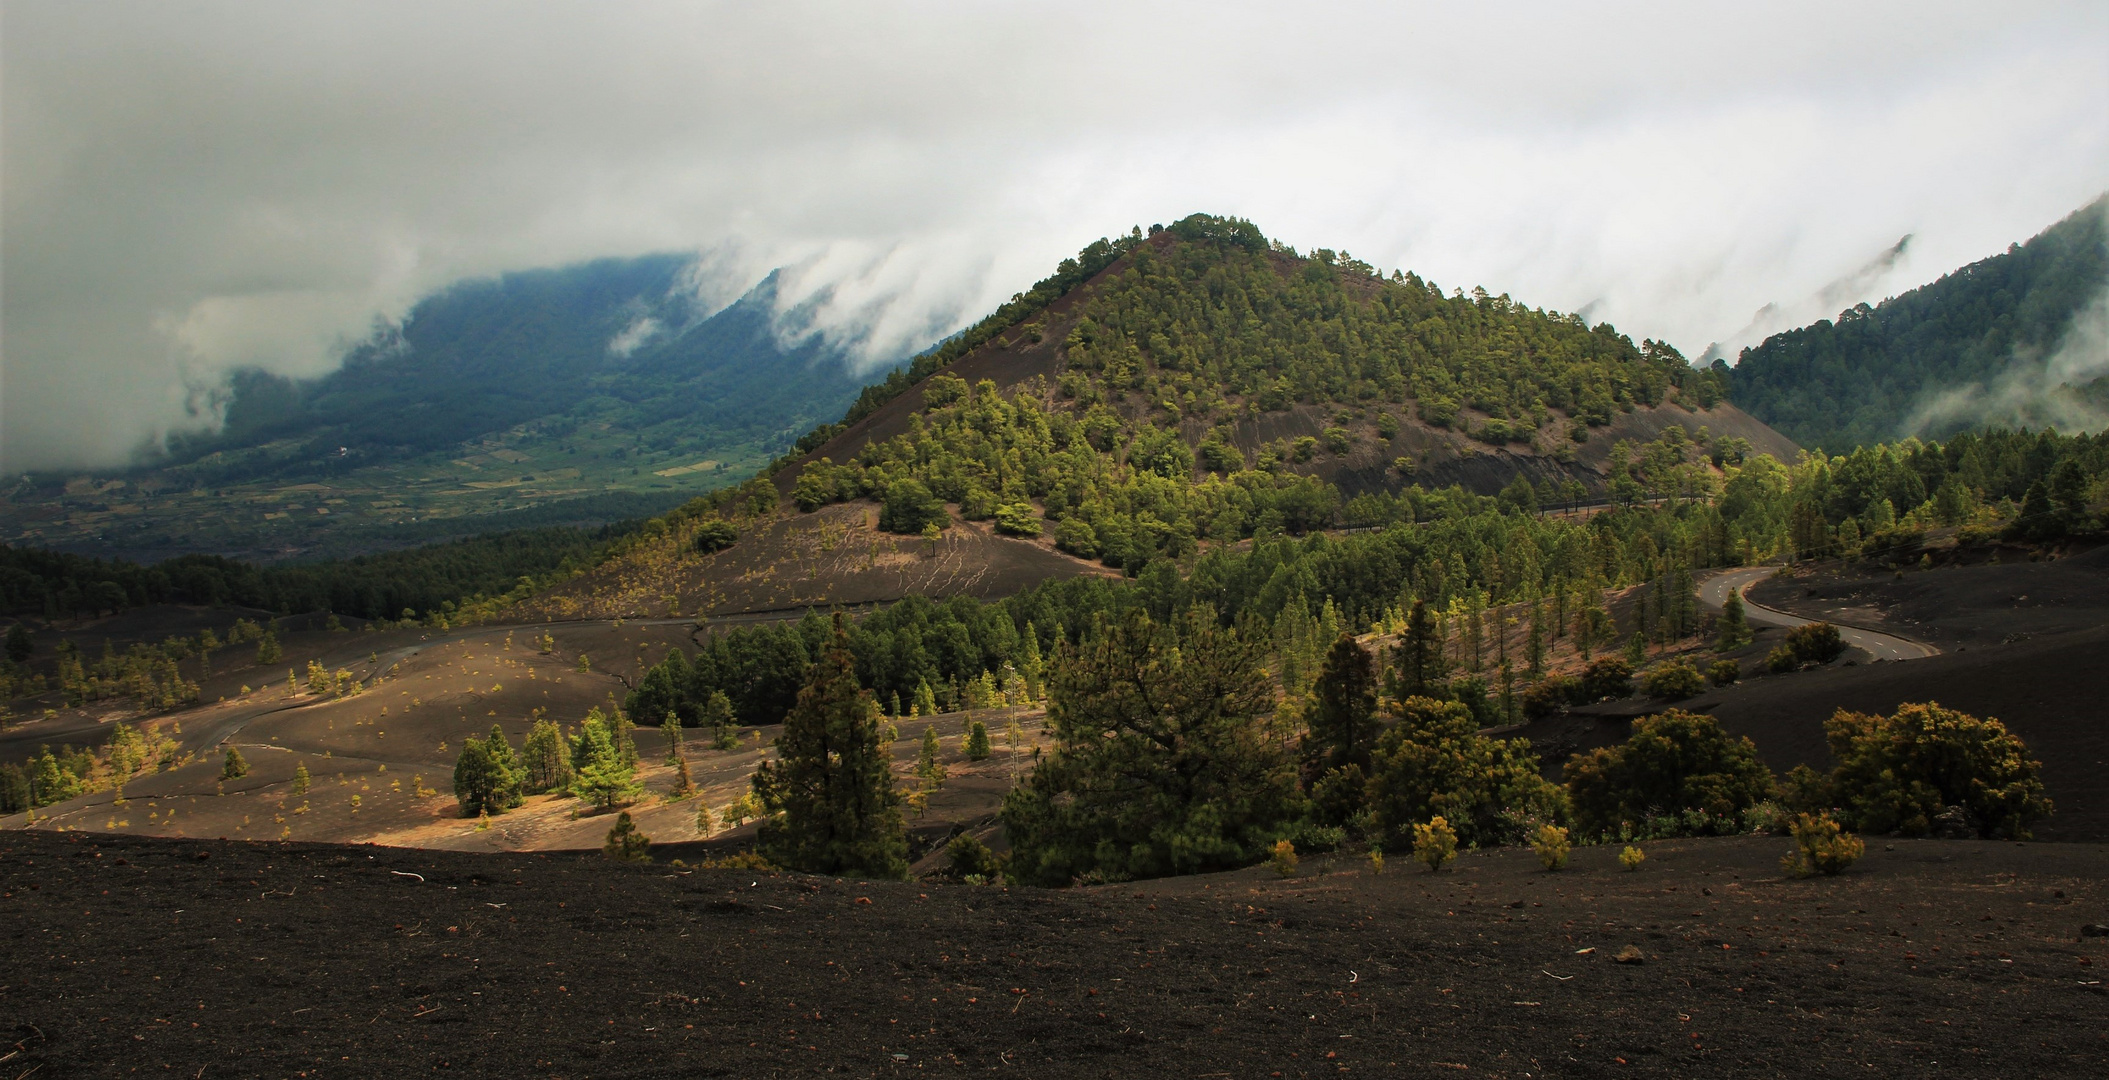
(190, 188)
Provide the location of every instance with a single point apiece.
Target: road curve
(1713, 592)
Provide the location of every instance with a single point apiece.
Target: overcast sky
(189, 188)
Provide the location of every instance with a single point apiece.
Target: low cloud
(194, 187)
(2058, 390)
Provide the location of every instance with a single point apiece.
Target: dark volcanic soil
(142, 956)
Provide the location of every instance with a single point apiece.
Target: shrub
(1077, 537)
(1551, 694)
(715, 535)
(1376, 860)
(1434, 844)
(1433, 761)
(1723, 672)
(1820, 846)
(971, 860)
(909, 506)
(1552, 846)
(626, 842)
(1673, 681)
(1632, 857)
(1338, 441)
(1781, 660)
(1610, 677)
(1815, 643)
(1017, 519)
(1898, 773)
(1284, 859)
(233, 766)
(1674, 763)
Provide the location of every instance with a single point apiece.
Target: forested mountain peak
(1194, 383)
(1997, 342)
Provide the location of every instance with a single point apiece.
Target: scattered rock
(1955, 823)
(1629, 955)
(2094, 930)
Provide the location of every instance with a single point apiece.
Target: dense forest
(424, 581)
(1875, 373)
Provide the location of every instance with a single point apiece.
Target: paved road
(1713, 592)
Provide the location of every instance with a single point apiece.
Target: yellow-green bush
(1434, 843)
(1552, 846)
(1821, 847)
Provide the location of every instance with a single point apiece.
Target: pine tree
(925, 698)
(1343, 726)
(683, 785)
(267, 648)
(977, 741)
(717, 716)
(233, 766)
(1735, 625)
(1637, 649)
(602, 777)
(300, 780)
(544, 764)
(626, 842)
(832, 790)
(20, 645)
(703, 820)
(1165, 761)
(927, 764)
(486, 776)
(670, 728)
(1032, 666)
(1421, 664)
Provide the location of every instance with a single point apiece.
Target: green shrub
(1434, 844)
(1815, 643)
(971, 860)
(1610, 677)
(233, 766)
(1723, 672)
(909, 506)
(1781, 660)
(1898, 773)
(1675, 765)
(714, 535)
(1673, 681)
(1551, 694)
(1820, 847)
(977, 741)
(1433, 761)
(1283, 859)
(1017, 519)
(1631, 857)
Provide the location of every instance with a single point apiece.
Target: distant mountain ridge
(606, 384)
(1980, 346)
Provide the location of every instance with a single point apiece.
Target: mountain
(2001, 341)
(1198, 383)
(565, 396)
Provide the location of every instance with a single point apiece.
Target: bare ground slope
(1928, 959)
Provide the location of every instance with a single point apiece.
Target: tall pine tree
(835, 809)
(1344, 723)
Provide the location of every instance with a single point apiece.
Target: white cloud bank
(193, 187)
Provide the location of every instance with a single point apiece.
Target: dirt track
(1931, 958)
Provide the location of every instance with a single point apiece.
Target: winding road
(1713, 592)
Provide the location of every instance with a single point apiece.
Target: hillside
(571, 396)
(1979, 347)
(1202, 384)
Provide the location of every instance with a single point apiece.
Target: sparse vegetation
(1551, 846)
